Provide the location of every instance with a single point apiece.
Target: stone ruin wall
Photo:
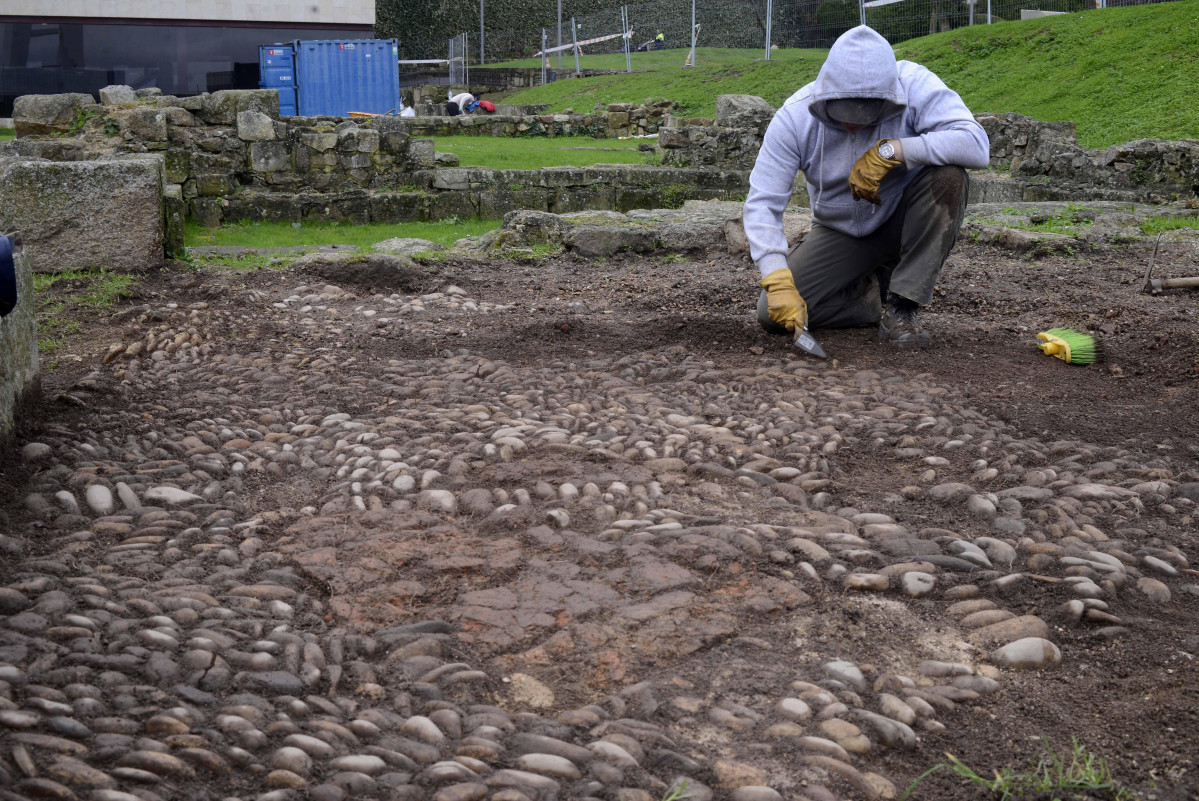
(1030, 160)
(229, 156)
(1048, 157)
(612, 122)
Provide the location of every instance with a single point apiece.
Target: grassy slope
(1120, 74)
(720, 71)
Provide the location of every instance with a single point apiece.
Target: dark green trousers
(844, 278)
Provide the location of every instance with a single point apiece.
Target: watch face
(886, 150)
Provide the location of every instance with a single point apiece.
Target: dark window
(52, 58)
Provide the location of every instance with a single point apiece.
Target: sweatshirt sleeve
(946, 131)
(770, 186)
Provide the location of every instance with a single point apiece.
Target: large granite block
(86, 215)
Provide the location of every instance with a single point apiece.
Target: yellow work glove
(868, 172)
(785, 305)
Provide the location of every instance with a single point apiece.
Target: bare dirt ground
(600, 484)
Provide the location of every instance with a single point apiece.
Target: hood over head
(860, 65)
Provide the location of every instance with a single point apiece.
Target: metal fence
(460, 59)
(749, 24)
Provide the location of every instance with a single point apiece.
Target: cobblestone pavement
(291, 540)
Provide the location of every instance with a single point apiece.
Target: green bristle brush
(1072, 347)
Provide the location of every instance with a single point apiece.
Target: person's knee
(948, 184)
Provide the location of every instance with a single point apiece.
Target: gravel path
(289, 539)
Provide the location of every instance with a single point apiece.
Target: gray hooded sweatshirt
(930, 120)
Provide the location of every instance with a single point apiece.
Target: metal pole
(544, 57)
(559, 33)
(480, 33)
(575, 41)
(466, 61)
(692, 33)
(769, 16)
(624, 23)
(988, 12)
(862, 10)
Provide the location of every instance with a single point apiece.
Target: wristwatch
(886, 149)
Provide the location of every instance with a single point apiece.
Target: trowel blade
(805, 342)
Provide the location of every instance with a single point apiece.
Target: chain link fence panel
(743, 24)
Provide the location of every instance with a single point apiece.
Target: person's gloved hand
(783, 302)
(868, 172)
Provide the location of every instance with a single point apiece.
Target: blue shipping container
(335, 77)
(277, 70)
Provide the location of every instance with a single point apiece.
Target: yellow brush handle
(1054, 346)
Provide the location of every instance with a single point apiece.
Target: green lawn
(1120, 74)
(532, 153)
(272, 234)
(7, 133)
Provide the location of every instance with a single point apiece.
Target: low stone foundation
(20, 382)
(1030, 160)
(1047, 156)
(229, 156)
(610, 122)
(467, 192)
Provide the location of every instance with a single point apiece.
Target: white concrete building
(183, 47)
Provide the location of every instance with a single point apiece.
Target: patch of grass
(1166, 222)
(284, 234)
(106, 290)
(7, 133)
(1053, 225)
(1084, 777)
(242, 261)
(100, 288)
(533, 153)
(47, 344)
(541, 250)
(1069, 221)
(678, 793)
(90, 291)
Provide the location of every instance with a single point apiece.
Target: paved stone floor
(274, 544)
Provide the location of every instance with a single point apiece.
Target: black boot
(899, 325)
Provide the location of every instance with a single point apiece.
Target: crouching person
(883, 146)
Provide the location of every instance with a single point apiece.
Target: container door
(277, 68)
(336, 77)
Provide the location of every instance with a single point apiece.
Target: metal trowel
(805, 342)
